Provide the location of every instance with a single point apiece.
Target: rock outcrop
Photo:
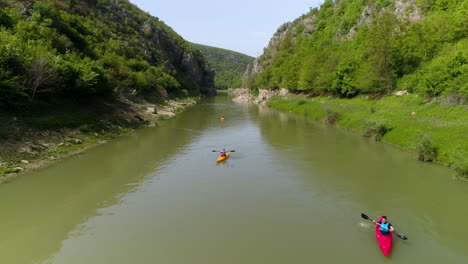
(244, 96)
(406, 11)
(195, 74)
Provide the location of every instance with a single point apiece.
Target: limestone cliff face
(257, 66)
(303, 26)
(197, 72)
(159, 44)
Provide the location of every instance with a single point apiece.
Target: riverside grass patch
(406, 119)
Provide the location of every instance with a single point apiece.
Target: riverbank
(40, 136)
(433, 131)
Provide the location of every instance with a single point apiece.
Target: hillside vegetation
(352, 47)
(91, 48)
(228, 65)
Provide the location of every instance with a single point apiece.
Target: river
(291, 193)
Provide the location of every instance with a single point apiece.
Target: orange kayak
(220, 159)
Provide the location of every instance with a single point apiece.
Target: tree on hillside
(40, 76)
(376, 72)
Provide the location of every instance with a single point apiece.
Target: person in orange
(222, 118)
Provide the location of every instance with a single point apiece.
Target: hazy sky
(242, 25)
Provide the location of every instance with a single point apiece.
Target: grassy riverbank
(435, 132)
(38, 135)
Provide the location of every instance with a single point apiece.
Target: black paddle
(396, 233)
(226, 151)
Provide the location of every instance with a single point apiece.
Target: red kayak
(385, 242)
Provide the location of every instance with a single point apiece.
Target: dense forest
(351, 47)
(228, 65)
(86, 49)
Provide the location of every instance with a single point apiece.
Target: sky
(245, 26)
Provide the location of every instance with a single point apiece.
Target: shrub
(5, 19)
(375, 129)
(138, 65)
(331, 116)
(461, 163)
(301, 102)
(86, 128)
(81, 77)
(255, 92)
(425, 149)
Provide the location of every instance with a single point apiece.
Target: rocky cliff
(157, 43)
(349, 47)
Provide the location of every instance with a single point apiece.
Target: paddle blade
(214, 151)
(232, 151)
(401, 236)
(365, 216)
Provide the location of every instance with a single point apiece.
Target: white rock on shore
(243, 95)
(401, 93)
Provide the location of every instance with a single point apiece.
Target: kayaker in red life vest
(223, 153)
(385, 226)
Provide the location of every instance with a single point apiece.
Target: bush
(138, 65)
(462, 168)
(255, 92)
(5, 20)
(301, 102)
(375, 129)
(96, 126)
(82, 77)
(331, 116)
(461, 163)
(170, 84)
(425, 149)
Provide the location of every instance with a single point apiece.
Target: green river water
(291, 193)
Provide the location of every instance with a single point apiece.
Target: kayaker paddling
(383, 232)
(385, 226)
(223, 153)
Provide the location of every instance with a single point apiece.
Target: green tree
(379, 52)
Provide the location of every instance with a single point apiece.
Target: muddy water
(291, 193)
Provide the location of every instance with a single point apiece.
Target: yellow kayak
(224, 158)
